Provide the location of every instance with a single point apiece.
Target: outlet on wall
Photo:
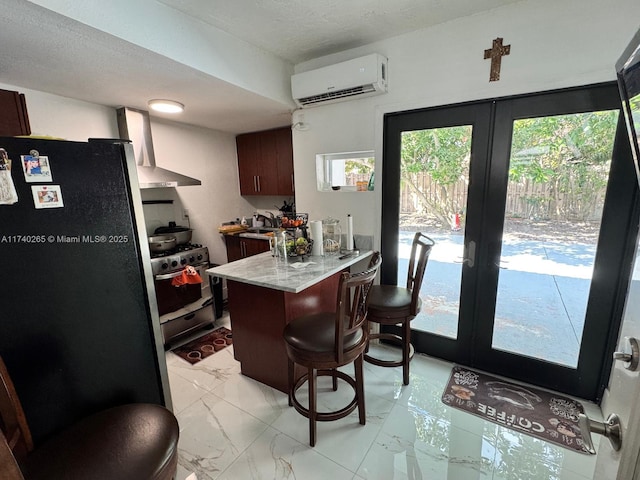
(185, 214)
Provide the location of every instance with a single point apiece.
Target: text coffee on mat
(542, 414)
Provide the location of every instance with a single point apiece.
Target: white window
(351, 171)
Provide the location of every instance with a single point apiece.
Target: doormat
(205, 346)
(538, 413)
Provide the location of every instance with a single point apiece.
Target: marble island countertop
(290, 275)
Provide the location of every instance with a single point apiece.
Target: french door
(530, 202)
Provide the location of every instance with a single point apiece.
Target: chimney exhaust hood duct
(134, 125)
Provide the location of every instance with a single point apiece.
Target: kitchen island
(265, 293)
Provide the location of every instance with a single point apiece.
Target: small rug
(538, 413)
(207, 345)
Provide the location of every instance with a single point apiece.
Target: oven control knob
(174, 263)
(191, 259)
(183, 261)
(165, 265)
(199, 256)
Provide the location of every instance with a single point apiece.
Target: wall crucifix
(495, 53)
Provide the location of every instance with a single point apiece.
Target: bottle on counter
(372, 180)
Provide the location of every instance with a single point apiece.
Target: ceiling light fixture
(166, 106)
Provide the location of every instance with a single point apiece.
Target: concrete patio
(543, 290)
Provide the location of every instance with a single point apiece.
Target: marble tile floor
(234, 428)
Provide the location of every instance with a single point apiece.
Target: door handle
(470, 254)
(168, 276)
(611, 429)
(633, 358)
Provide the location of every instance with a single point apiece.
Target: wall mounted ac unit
(360, 77)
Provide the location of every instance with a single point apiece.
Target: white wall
(209, 156)
(66, 118)
(197, 152)
(553, 45)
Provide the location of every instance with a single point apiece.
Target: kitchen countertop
(263, 270)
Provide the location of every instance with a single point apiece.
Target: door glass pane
(433, 199)
(558, 174)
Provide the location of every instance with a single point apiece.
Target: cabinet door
(267, 164)
(284, 160)
(254, 246)
(14, 119)
(240, 247)
(248, 149)
(234, 250)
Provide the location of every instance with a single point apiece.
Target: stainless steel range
(187, 307)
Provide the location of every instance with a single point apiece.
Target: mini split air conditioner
(357, 78)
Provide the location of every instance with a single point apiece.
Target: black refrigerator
(79, 325)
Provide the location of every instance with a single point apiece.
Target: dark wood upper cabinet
(248, 147)
(14, 119)
(284, 151)
(265, 162)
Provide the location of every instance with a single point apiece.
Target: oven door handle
(168, 276)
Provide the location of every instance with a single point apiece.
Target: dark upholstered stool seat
(317, 334)
(390, 302)
(322, 342)
(137, 441)
(398, 305)
(127, 442)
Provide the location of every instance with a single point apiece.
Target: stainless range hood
(134, 125)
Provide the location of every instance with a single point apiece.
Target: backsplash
(161, 206)
(159, 214)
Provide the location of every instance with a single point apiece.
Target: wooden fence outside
(525, 200)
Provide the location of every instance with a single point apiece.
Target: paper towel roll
(349, 232)
(315, 227)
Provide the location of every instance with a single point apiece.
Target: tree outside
(557, 179)
(557, 175)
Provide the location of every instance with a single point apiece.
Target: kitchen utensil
(287, 208)
(162, 243)
(182, 234)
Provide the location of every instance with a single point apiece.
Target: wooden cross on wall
(495, 53)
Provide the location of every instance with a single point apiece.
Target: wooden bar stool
(322, 342)
(134, 441)
(395, 305)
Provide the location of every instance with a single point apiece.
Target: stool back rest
(353, 301)
(420, 251)
(13, 423)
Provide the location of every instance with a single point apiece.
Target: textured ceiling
(47, 51)
(299, 30)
